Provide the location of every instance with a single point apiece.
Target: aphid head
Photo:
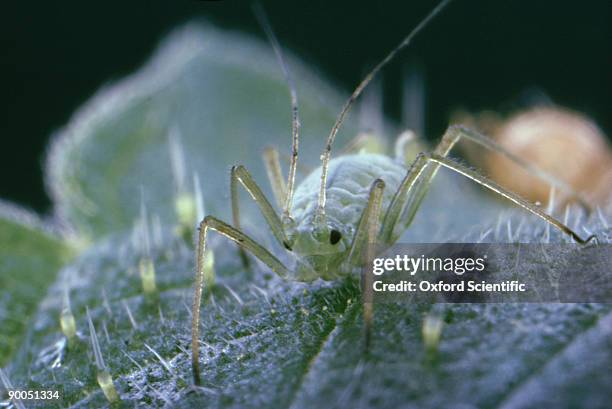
(320, 249)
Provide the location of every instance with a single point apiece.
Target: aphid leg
(236, 213)
(489, 184)
(245, 243)
(456, 132)
(241, 175)
(420, 166)
(275, 175)
(406, 199)
(361, 238)
(362, 250)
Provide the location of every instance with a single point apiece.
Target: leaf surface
(30, 256)
(271, 343)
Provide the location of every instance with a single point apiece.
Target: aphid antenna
(325, 157)
(260, 15)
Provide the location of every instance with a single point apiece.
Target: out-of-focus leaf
(30, 257)
(222, 93)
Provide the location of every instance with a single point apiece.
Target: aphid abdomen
(348, 186)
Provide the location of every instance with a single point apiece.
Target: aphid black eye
(334, 236)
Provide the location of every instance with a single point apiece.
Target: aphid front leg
(279, 189)
(236, 212)
(246, 243)
(240, 175)
(368, 222)
(362, 248)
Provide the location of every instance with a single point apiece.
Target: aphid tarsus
(330, 220)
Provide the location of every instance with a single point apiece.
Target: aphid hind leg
(456, 132)
(362, 248)
(419, 168)
(246, 243)
(494, 187)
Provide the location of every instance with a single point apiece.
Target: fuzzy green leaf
(30, 257)
(271, 343)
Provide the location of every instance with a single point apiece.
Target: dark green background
(478, 54)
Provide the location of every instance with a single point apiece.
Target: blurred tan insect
(329, 221)
(559, 141)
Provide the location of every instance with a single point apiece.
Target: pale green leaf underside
(30, 257)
